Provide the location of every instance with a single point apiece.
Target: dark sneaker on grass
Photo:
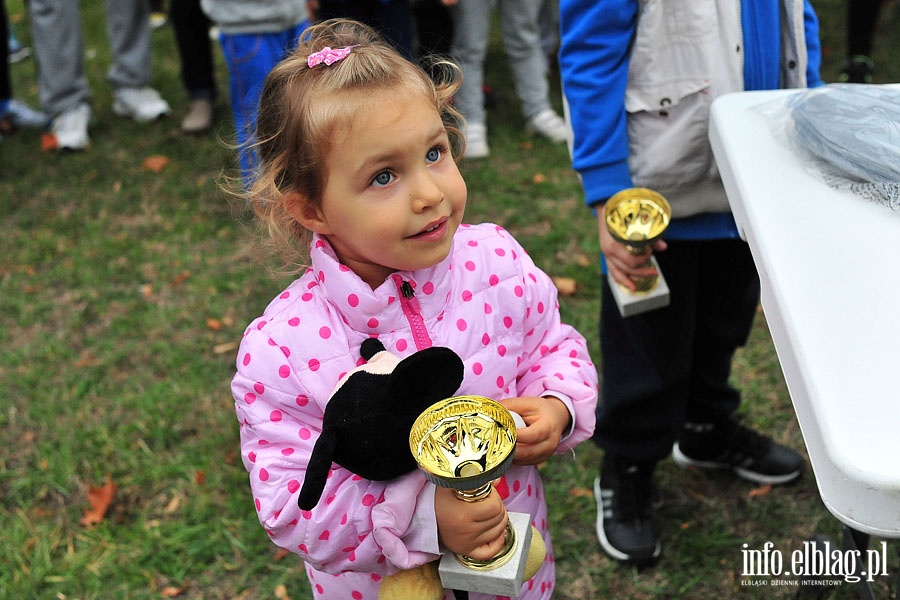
(625, 527)
(857, 69)
(731, 445)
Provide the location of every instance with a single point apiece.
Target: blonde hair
(300, 106)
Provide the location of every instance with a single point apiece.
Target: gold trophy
(465, 443)
(637, 217)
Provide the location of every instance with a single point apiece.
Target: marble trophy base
(632, 304)
(505, 580)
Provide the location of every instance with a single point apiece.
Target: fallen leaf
(281, 553)
(180, 278)
(100, 499)
(760, 491)
(49, 143)
(200, 477)
(170, 591)
(173, 504)
(146, 290)
(41, 513)
(87, 359)
(686, 525)
(156, 163)
(581, 492)
(281, 592)
(214, 324)
(224, 348)
(565, 285)
(538, 178)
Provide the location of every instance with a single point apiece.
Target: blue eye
(383, 178)
(434, 155)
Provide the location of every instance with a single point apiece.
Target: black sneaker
(625, 526)
(731, 445)
(857, 69)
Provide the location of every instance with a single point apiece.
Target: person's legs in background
(862, 18)
(548, 29)
(521, 38)
(13, 113)
(195, 54)
(471, 28)
(249, 58)
(434, 31)
(62, 85)
(128, 27)
(391, 18)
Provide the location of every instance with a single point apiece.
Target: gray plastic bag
(849, 134)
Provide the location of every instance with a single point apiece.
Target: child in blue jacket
(639, 78)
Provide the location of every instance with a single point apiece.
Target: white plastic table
(829, 264)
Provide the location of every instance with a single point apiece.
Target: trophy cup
(637, 217)
(465, 443)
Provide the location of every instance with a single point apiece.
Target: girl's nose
(425, 192)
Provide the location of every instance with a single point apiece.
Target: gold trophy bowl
(637, 217)
(465, 443)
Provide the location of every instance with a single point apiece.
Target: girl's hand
(546, 419)
(622, 264)
(476, 529)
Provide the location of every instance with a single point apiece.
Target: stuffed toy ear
(435, 373)
(370, 347)
(317, 470)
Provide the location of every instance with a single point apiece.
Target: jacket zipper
(413, 313)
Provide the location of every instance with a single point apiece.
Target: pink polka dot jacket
(489, 303)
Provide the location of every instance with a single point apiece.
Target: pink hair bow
(328, 56)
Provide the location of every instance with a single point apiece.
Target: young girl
(356, 164)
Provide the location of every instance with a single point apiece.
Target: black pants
(392, 19)
(665, 366)
(191, 27)
(862, 18)
(5, 79)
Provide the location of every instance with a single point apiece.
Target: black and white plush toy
(366, 428)
(371, 411)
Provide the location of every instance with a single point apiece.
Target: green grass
(123, 293)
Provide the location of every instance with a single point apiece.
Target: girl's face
(393, 197)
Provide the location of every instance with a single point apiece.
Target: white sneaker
(70, 127)
(476, 141)
(548, 124)
(199, 117)
(141, 104)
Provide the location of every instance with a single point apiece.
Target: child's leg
(128, 27)
(250, 57)
(519, 30)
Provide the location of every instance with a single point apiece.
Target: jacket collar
(377, 311)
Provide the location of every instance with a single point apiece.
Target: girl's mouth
(433, 230)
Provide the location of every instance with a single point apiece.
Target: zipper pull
(409, 293)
